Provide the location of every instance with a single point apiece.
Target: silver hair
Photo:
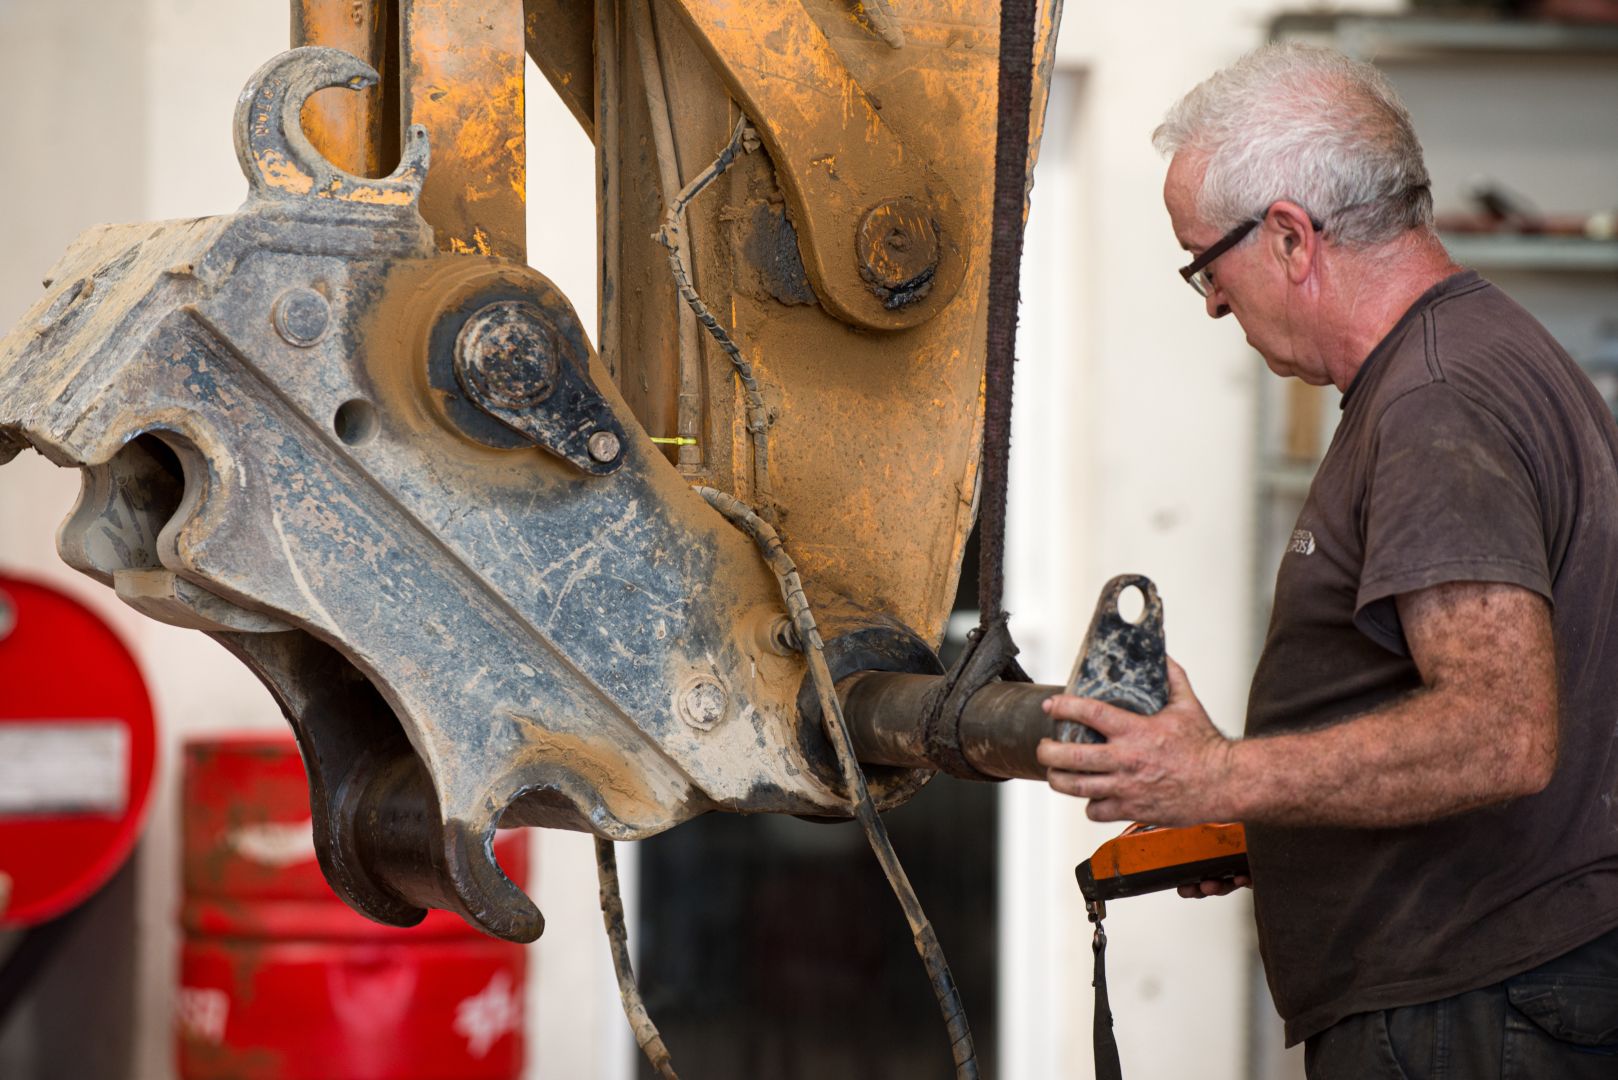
(1311, 126)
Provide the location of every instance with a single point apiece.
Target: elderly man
(1430, 762)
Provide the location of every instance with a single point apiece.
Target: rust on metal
(510, 352)
(1000, 728)
(898, 251)
(1122, 662)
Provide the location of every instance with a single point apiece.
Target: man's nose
(1215, 303)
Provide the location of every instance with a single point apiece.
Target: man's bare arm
(1482, 730)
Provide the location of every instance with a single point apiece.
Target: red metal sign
(77, 749)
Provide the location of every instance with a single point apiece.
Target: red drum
(77, 747)
(279, 980)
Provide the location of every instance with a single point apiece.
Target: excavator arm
(480, 561)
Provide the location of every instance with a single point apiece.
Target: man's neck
(1370, 292)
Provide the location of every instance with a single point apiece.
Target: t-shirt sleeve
(1449, 497)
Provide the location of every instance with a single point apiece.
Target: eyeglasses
(1196, 273)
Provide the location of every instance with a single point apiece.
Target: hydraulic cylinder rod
(999, 731)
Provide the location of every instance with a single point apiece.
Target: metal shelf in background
(1532, 252)
(1287, 479)
(1379, 37)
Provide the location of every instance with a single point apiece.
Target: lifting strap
(1108, 1066)
(990, 654)
(1016, 90)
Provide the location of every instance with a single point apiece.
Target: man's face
(1246, 281)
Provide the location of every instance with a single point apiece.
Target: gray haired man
(1430, 760)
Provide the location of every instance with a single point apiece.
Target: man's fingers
(1082, 785)
(1077, 757)
(1106, 719)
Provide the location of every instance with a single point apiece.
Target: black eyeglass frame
(1192, 272)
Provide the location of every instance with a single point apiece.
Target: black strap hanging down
(990, 654)
(1016, 88)
(1108, 1066)
(991, 650)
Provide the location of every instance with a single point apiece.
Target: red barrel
(279, 980)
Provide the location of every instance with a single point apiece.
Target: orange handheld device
(1145, 858)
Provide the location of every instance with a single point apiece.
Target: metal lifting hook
(277, 157)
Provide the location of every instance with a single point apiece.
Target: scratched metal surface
(530, 630)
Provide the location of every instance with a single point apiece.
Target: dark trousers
(1558, 1021)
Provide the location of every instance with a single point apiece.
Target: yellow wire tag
(674, 440)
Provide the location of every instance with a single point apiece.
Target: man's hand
(1167, 769)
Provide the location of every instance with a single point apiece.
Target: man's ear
(1293, 239)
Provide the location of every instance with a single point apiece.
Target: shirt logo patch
(1302, 543)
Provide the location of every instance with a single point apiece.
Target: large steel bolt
(702, 702)
(507, 355)
(898, 250)
(604, 446)
(301, 317)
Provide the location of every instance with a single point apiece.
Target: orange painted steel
(874, 435)
(458, 71)
(461, 77)
(349, 129)
(836, 158)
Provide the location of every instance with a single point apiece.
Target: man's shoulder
(1477, 342)
(1480, 328)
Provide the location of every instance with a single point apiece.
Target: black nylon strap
(1108, 1067)
(990, 653)
(1016, 85)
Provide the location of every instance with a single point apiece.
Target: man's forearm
(1426, 756)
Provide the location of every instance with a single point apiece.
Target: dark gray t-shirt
(1471, 448)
